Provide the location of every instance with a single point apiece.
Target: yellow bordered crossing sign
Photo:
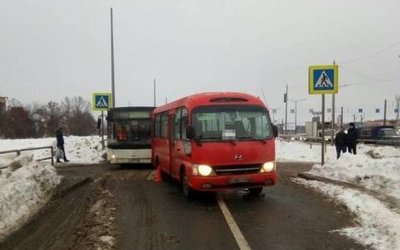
(323, 79)
(101, 101)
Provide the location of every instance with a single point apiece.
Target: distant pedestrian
(352, 139)
(340, 142)
(60, 143)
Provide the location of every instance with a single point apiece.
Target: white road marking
(240, 240)
(151, 175)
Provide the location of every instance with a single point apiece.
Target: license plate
(238, 180)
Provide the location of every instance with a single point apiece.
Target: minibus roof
(212, 98)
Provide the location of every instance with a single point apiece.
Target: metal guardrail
(18, 152)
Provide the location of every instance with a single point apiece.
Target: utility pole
(341, 117)
(397, 108)
(333, 116)
(285, 99)
(295, 112)
(323, 131)
(295, 117)
(384, 113)
(154, 94)
(112, 61)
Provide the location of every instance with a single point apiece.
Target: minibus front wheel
(188, 192)
(255, 190)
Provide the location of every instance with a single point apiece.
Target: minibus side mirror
(275, 130)
(190, 132)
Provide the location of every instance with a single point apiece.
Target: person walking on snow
(60, 143)
(352, 139)
(340, 142)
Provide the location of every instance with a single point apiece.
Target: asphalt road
(157, 216)
(143, 214)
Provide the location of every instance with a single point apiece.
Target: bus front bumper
(128, 161)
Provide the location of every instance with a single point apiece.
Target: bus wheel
(255, 190)
(186, 189)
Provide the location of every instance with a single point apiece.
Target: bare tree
(78, 117)
(37, 120)
(19, 123)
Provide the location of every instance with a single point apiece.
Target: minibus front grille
(237, 169)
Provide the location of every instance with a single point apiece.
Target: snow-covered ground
(26, 185)
(374, 174)
(375, 199)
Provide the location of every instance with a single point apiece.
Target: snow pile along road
(374, 174)
(26, 186)
(79, 149)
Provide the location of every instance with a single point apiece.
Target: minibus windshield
(239, 122)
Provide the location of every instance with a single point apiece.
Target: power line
(372, 54)
(367, 76)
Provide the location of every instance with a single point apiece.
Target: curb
(312, 177)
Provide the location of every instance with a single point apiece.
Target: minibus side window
(177, 119)
(164, 125)
(180, 123)
(157, 126)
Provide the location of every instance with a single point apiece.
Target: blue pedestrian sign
(323, 79)
(101, 101)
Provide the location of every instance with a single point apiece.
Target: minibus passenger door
(171, 142)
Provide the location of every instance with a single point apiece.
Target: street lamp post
(100, 125)
(285, 99)
(333, 120)
(112, 60)
(295, 112)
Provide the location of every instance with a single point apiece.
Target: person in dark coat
(60, 143)
(352, 139)
(340, 142)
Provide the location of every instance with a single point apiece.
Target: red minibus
(215, 141)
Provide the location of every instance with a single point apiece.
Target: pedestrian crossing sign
(323, 79)
(101, 101)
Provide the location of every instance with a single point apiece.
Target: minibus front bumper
(219, 183)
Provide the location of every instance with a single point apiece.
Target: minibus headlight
(268, 167)
(113, 156)
(204, 170)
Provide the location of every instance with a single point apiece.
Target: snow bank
(381, 175)
(26, 186)
(376, 169)
(79, 149)
(378, 226)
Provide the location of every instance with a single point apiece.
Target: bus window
(122, 135)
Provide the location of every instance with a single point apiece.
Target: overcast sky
(52, 49)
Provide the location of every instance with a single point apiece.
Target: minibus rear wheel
(188, 192)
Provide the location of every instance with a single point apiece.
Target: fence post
(52, 156)
(18, 153)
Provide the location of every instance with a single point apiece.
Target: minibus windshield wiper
(230, 141)
(198, 140)
(246, 137)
